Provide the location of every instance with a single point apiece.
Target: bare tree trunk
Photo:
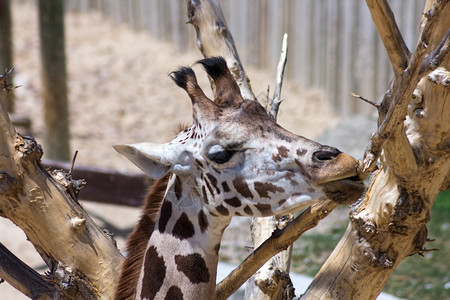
(51, 23)
(390, 223)
(6, 46)
(83, 261)
(213, 39)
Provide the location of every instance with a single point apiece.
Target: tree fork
(390, 223)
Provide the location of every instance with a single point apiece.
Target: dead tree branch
(276, 100)
(23, 278)
(82, 259)
(435, 59)
(412, 138)
(395, 102)
(214, 39)
(279, 241)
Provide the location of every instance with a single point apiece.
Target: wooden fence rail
(106, 185)
(333, 44)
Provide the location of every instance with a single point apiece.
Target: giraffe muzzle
(338, 177)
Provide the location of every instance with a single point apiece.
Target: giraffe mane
(138, 239)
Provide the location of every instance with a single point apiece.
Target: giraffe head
(237, 161)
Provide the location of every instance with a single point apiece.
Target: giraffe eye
(220, 155)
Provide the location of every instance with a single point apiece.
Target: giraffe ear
(150, 158)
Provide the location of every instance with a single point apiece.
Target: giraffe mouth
(344, 191)
(353, 178)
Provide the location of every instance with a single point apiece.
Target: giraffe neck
(182, 252)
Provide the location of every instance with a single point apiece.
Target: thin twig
(4, 85)
(73, 162)
(276, 100)
(376, 105)
(279, 241)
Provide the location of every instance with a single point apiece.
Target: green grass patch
(416, 277)
(427, 277)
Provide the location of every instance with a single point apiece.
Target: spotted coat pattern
(232, 161)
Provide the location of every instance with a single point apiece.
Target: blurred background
(106, 65)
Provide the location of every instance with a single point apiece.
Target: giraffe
(234, 160)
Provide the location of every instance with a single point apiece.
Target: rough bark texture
(25, 279)
(390, 223)
(51, 28)
(83, 261)
(272, 280)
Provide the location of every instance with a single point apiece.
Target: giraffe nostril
(326, 153)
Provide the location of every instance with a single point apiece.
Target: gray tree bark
(412, 142)
(83, 261)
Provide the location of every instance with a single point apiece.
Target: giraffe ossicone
(232, 161)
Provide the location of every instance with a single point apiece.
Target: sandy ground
(120, 92)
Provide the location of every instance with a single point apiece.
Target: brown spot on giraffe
(209, 187)
(183, 228)
(202, 221)
(213, 181)
(205, 196)
(225, 187)
(222, 210)
(283, 151)
(263, 189)
(154, 273)
(235, 202)
(301, 152)
(193, 266)
(199, 163)
(265, 209)
(242, 188)
(174, 293)
(276, 157)
(289, 176)
(164, 216)
(178, 187)
(248, 210)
